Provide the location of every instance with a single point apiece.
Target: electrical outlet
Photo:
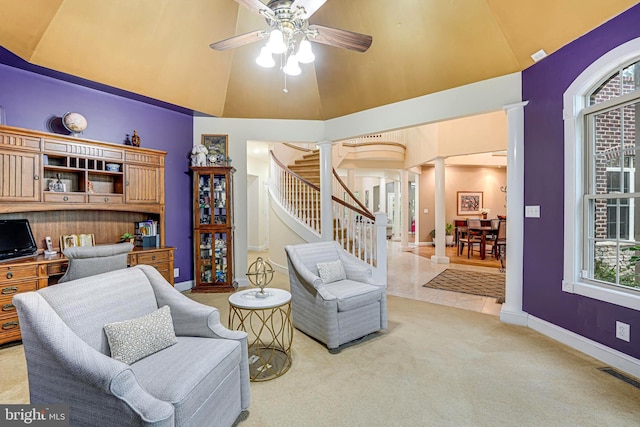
(176, 272)
(623, 331)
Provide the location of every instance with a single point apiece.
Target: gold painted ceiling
(160, 49)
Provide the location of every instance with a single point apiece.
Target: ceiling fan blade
(256, 6)
(341, 38)
(309, 6)
(239, 40)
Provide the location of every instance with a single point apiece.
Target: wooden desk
(33, 273)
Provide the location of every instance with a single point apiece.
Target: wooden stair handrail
(344, 187)
(353, 208)
(290, 172)
(296, 147)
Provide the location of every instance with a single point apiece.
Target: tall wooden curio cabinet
(213, 228)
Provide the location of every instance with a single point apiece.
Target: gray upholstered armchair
(344, 304)
(200, 377)
(91, 260)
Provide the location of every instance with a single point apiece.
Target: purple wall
(31, 100)
(543, 86)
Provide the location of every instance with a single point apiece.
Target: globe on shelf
(260, 273)
(74, 123)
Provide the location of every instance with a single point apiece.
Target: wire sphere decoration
(260, 274)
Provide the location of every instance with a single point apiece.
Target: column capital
(325, 143)
(515, 105)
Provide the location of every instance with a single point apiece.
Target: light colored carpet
(435, 366)
(470, 282)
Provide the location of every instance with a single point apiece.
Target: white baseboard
(279, 267)
(608, 356)
(184, 286)
(519, 318)
(243, 282)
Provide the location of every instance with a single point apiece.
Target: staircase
(308, 167)
(296, 190)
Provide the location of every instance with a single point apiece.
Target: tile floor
(407, 272)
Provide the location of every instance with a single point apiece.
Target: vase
(484, 216)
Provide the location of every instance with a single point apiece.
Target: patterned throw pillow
(132, 340)
(331, 271)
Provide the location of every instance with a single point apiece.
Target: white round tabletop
(248, 299)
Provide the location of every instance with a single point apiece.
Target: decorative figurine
(199, 155)
(59, 185)
(135, 139)
(127, 141)
(260, 273)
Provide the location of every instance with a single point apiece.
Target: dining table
(484, 231)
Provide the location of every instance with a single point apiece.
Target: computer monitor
(16, 239)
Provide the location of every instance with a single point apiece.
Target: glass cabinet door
(220, 200)
(220, 257)
(204, 200)
(205, 261)
(213, 256)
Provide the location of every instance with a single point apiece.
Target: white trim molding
(594, 349)
(574, 103)
(511, 311)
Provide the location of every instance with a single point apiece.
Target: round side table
(268, 323)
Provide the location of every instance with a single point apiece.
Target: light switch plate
(532, 211)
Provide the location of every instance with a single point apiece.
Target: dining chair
(500, 247)
(459, 223)
(490, 238)
(473, 238)
(461, 237)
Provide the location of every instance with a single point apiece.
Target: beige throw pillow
(132, 340)
(331, 271)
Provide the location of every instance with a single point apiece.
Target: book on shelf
(146, 228)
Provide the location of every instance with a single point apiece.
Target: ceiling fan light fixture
(305, 54)
(276, 42)
(292, 68)
(265, 59)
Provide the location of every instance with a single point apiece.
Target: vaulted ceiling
(160, 49)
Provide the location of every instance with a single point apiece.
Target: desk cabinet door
(19, 179)
(144, 184)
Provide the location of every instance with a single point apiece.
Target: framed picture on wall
(469, 203)
(217, 148)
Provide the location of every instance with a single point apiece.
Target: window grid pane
(608, 90)
(631, 78)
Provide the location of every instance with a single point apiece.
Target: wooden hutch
(107, 188)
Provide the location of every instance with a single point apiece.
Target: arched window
(602, 211)
(611, 184)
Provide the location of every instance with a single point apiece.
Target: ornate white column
(326, 174)
(512, 308)
(351, 179)
(418, 211)
(383, 196)
(404, 219)
(397, 200)
(441, 254)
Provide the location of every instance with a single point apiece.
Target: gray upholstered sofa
(332, 311)
(91, 260)
(202, 379)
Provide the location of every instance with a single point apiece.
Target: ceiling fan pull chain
(285, 90)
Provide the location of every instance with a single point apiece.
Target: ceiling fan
(289, 27)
